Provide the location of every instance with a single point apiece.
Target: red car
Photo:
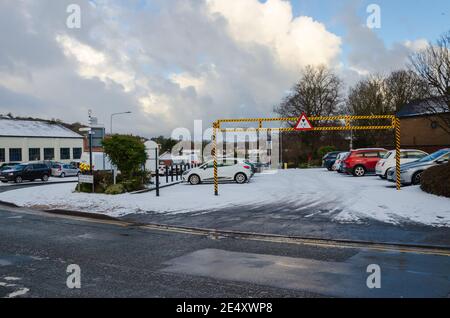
(362, 161)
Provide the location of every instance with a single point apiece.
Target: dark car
(8, 166)
(26, 171)
(329, 159)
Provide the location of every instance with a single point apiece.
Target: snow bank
(342, 198)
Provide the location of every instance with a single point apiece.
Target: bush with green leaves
(115, 189)
(102, 179)
(126, 152)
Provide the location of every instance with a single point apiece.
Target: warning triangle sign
(303, 124)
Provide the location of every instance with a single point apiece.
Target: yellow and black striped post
(214, 153)
(397, 153)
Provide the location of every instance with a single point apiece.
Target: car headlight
(185, 173)
(10, 174)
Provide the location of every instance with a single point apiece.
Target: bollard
(171, 173)
(167, 174)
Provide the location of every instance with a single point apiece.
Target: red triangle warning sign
(303, 123)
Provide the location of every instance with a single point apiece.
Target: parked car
(410, 173)
(8, 166)
(64, 170)
(389, 160)
(337, 164)
(329, 159)
(227, 170)
(26, 171)
(362, 161)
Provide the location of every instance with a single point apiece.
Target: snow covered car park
(340, 198)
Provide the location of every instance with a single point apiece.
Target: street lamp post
(114, 114)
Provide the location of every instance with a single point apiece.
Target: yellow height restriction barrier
(393, 123)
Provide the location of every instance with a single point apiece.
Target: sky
(171, 62)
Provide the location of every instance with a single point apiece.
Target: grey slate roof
(422, 108)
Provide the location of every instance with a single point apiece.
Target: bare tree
(317, 93)
(402, 87)
(432, 64)
(369, 97)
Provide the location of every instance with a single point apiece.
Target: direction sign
(82, 178)
(303, 124)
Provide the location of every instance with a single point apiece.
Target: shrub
(303, 165)
(126, 152)
(115, 189)
(315, 163)
(102, 179)
(133, 184)
(324, 150)
(435, 180)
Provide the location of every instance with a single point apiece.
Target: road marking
(271, 238)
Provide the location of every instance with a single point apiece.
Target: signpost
(303, 124)
(83, 178)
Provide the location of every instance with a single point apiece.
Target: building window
(15, 154)
(49, 154)
(77, 153)
(2, 155)
(34, 154)
(65, 153)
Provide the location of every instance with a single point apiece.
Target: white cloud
(95, 64)
(294, 41)
(416, 45)
(179, 61)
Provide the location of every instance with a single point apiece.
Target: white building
(28, 140)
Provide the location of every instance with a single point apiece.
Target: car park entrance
(304, 123)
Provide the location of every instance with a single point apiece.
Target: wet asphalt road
(129, 261)
(284, 219)
(313, 222)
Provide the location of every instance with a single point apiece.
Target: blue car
(329, 159)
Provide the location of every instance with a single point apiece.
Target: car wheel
(194, 179)
(18, 179)
(45, 178)
(416, 178)
(240, 178)
(62, 175)
(329, 169)
(359, 171)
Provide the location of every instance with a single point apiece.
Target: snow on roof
(33, 128)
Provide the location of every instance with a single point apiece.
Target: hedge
(436, 180)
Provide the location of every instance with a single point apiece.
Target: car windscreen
(433, 156)
(20, 167)
(388, 154)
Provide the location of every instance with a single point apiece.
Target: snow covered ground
(344, 198)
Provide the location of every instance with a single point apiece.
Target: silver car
(64, 170)
(410, 173)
